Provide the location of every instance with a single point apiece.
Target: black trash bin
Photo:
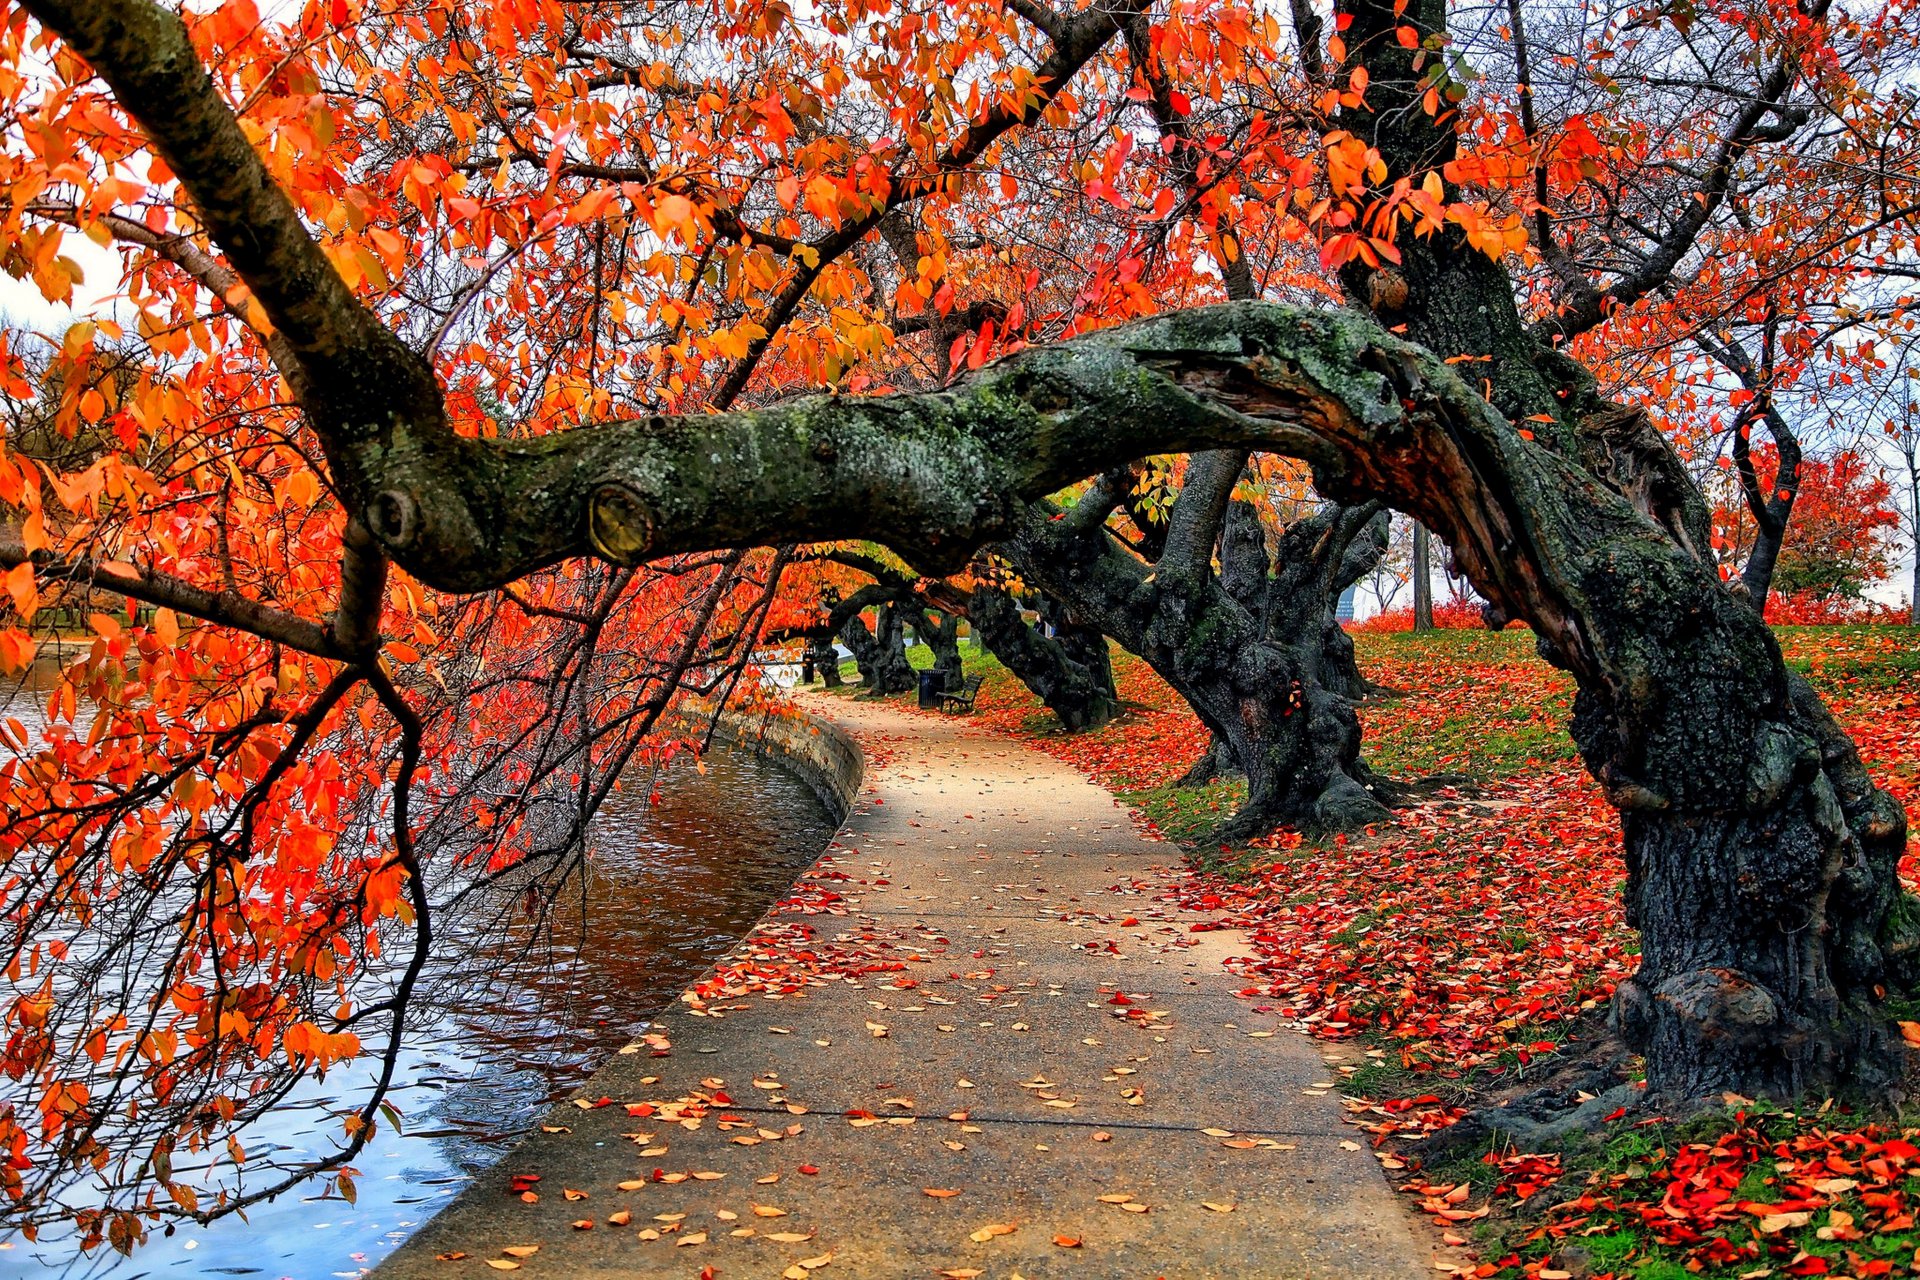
(933, 683)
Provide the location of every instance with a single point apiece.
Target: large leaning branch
(933, 475)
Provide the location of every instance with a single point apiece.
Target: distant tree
(1840, 541)
(1901, 426)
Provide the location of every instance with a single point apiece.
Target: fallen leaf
(521, 1250)
(991, 1230)
(1068, 1242)
(1217, 1208)
(939, 1193)
(502, 1264)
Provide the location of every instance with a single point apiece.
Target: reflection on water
(673, 886)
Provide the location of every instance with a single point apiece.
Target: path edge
(830, 761)
(813, 746)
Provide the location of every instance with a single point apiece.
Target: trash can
(933, 683)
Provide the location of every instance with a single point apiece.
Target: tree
(1838, 544)
(1905, 431)
(471, 299)
(1069, 670)
(1422, 578)
(1253, 648)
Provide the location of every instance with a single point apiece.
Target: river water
(674, 886)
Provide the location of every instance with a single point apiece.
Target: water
(675, 886)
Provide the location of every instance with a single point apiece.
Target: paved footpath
(976, 1043)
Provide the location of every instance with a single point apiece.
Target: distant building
(1343, 612)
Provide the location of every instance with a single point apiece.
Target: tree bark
(825, 659)
(942, 639)
(1260, 684)
(880, 652)
(1079, 692)
(1422, 578)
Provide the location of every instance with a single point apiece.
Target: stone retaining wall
(816, 749)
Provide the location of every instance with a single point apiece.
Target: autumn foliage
(590, 213)
(1839, 542)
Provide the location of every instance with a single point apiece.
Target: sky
(22, 305)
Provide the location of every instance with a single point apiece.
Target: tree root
(1577, 1094)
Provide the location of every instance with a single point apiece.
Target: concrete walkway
(989, 1050)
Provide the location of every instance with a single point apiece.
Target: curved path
(977, 991)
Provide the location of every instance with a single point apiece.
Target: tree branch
(200, 266)
(1193, 526)
(223, 608)
(1588, 306)
(1082, 37)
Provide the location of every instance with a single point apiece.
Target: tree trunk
(1913, 505)
(1256, 683)
(1422, 578)
(944, 642)
(1082, 643)
(825, 659)
(1215, 762)
(1761, 861)
(1757, 575)
(880, 653)
(1080, 695)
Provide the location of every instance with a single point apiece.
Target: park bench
(961, 700)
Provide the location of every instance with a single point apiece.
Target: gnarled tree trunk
(880, 652)
(825, 658)
(943, 639)
(1080, 693)
(1256, 676)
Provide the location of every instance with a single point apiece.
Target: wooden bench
(962, 701)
